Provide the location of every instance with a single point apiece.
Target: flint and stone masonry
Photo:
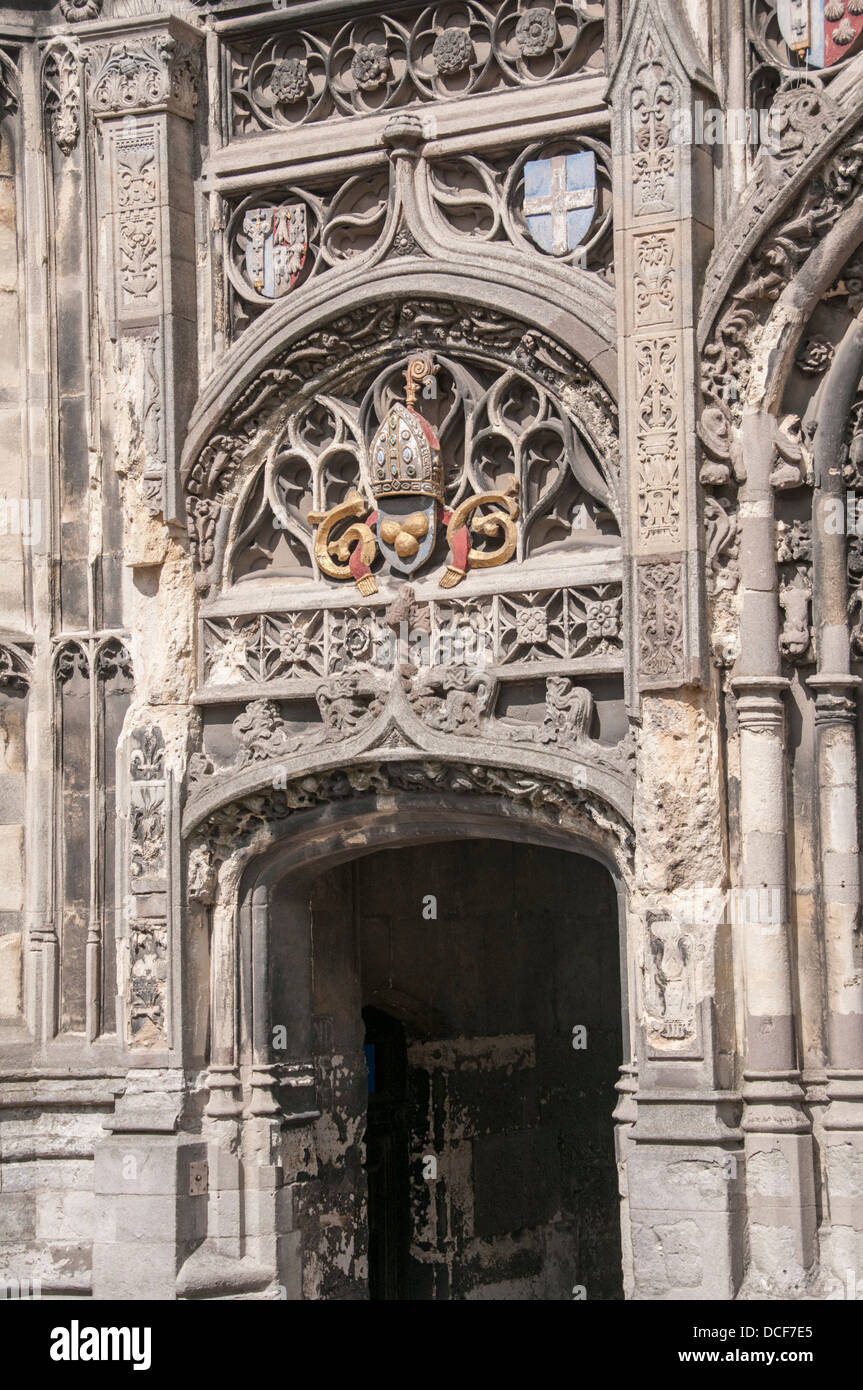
(431, 622)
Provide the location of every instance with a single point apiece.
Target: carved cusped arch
(511, 399)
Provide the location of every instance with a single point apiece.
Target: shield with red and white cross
(276, 247)
(821, 32)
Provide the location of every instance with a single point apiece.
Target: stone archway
(302, 1103)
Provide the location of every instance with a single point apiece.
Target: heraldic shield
(820, 31)
(406, 479)
(276, 247)
(560, 200)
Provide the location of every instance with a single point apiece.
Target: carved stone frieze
(500, 630)
(407, 57)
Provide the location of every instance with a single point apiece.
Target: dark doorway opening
(387, 1155)
(479, 980)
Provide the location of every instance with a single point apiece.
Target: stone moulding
(247, 819)
(762, 205)
(397, 733)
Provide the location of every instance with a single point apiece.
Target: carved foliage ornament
(660, 620)
(142, 73)
(63, 96)
(654, 160)
(233, 825)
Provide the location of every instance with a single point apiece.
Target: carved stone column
(835, 690)
(143, 94)
(779, 1159)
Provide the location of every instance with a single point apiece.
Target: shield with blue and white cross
(560, 200)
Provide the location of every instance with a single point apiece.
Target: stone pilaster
(143, 95)
(686, 1121)
(663, 236)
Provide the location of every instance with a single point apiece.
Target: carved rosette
(76, 11)
(393, 59)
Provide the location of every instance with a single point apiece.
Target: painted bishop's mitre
(405, 455)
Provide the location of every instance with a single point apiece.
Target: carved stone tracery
(496, 418)
(393, 60)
